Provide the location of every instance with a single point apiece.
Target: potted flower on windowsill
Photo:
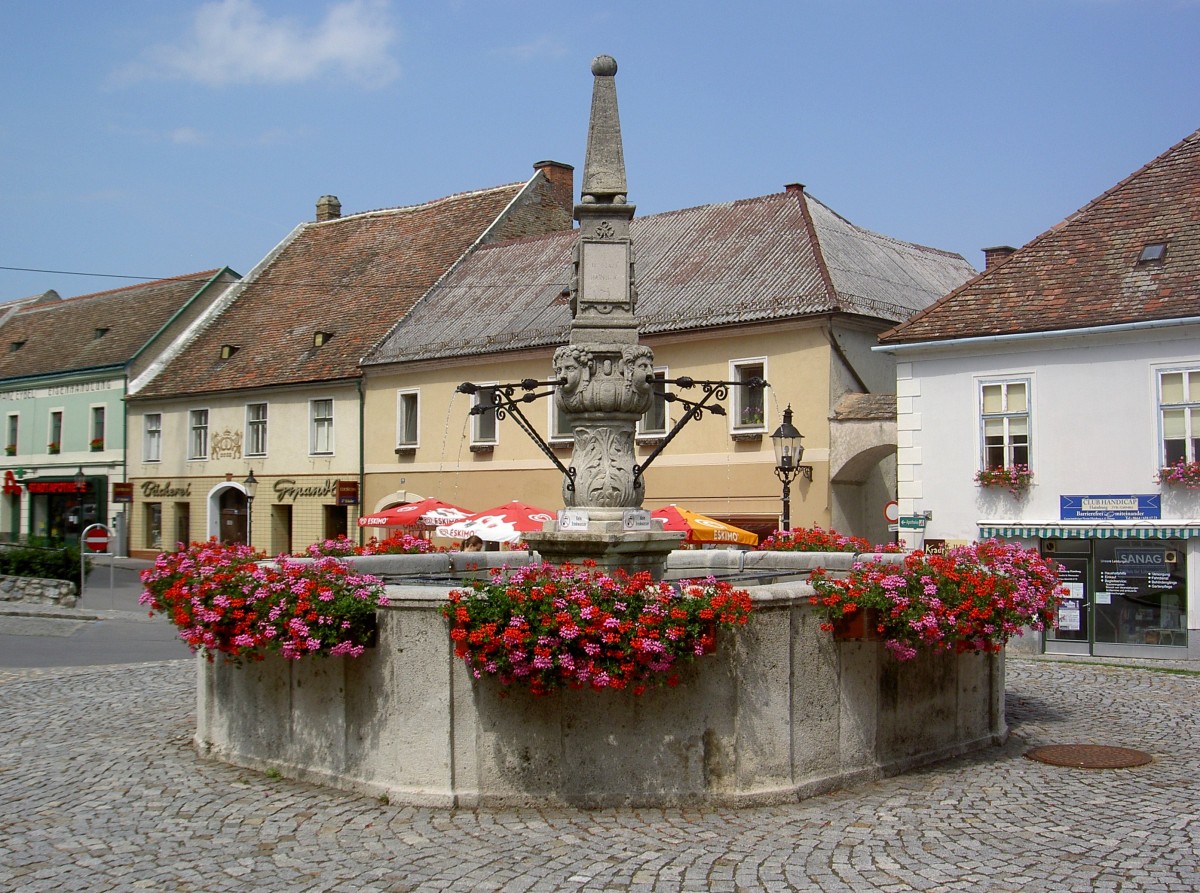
(1180, 474)
(547, 627)
(10, 449)
(969, 599)
(1014, 478)
(52, 448)
(97, 444)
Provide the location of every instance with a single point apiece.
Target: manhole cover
(1089, 756)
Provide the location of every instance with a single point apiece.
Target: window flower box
(1014, 478)
(10, 450)
(97, 444)
(1180, 474)
(52, 448)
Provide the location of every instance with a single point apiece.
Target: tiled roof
(351, 277)
(1085, 271)
(777, 256)
(106, 329)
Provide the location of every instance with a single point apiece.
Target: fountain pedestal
(609, 545)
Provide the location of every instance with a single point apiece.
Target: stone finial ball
(604, 66)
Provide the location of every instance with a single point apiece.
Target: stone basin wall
(780, 711)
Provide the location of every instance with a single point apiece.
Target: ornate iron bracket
(506, 401)
(713, 390)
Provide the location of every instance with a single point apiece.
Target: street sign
(912, 522)
(95, 538)
(891, 512)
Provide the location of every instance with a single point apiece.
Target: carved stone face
(643, 372)
(569, 365)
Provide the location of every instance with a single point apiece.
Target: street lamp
(250, 484)
(80, 490)
(788, 453)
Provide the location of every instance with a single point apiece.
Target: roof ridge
(420, 206)
(200, 276)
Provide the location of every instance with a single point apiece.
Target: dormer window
(100, 332)
(1153, 253)
(321, 338)
(14, 346)
(228, 350)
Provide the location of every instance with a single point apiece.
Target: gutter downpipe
(362, 471)
(1041, 336)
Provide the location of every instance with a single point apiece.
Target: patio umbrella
(502, 524)
(424, 513)
(703, 529)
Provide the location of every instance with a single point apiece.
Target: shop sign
(165, 490)
(1130, 507)
(123, 492)
(287, 489)
(11, 487)
(347, 492)
(55, 487)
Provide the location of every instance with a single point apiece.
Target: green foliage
(43, 563)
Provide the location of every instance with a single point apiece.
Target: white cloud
(235, 42)
(541, 48)
(186, 136)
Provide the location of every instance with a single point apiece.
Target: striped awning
(1087, 531)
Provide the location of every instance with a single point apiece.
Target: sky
(143, 139)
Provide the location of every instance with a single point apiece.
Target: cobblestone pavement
(100, 791)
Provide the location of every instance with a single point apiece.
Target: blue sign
(1131, 507)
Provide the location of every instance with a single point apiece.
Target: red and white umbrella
(425, 513)
(502, 524)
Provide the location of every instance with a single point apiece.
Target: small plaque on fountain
(572, 519)
(635, 519)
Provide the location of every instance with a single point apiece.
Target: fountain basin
(781, 711)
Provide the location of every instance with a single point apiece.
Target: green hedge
(48, 564)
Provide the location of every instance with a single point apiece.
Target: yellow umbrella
(703, 529)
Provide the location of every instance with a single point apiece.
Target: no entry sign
(95, 538)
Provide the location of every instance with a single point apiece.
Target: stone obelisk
(605, 373)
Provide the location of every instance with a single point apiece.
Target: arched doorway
(227, 519)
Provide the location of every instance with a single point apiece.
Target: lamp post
(788, 453)
(80, 491)
(251, 486)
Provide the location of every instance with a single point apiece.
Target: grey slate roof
(777, 256)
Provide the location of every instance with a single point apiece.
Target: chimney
(561, 178)
(793, 187)
(993, 257)
(328, 208)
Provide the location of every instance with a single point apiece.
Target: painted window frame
(257, 429)
(197, 435)
(659, 402)
(12, 432)
(477, 421)
(1009, 419)
(54, 429)
(152, 437)
(561, 434)
(408, 416)
(97, 424)
(746, 401)
(317, 425)
(1181, 417)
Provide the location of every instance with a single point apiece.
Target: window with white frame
(54, 442)
(97, 438)
(10, 442)
(256, 429)
(152, 437)
(408, 415)
(1005, 421)
(749, 396)
(560, 427)
(483, 427)
(1179, 404)
(198, 434)
(654, 421)
(321, 427)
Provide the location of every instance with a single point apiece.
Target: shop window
(748, 397)
(1005, 420)
(408, 407)
(654, 421)
(198, 434)
(256, 429)
(152, 524)
(152, 437)
(321, 427)
(1179, 405)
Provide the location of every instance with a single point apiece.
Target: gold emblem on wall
(227, 445)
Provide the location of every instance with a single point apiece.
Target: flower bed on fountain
(546, 627)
